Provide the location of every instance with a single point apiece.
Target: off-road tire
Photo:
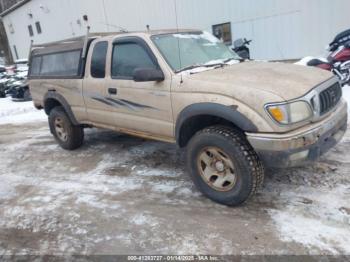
(74, 134)
(249, 169)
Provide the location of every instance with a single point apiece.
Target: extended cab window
(98, 60)
(127, 57)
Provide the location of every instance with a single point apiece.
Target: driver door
(143, 108)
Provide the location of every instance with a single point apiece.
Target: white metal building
(280, 29)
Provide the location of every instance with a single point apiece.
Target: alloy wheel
(216, 169)
(60, 129)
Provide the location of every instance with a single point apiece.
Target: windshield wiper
(189, 68)
(196, 66)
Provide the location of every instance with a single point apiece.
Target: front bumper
(302, 146)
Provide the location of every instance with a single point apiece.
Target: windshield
(183, 50)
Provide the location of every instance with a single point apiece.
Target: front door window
(127, 57)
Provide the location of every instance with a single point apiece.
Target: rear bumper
(300, 147)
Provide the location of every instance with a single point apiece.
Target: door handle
(112, 91)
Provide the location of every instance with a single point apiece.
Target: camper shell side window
(65, 64)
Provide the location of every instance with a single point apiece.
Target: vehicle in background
(338, 60)
(2, 61)
(3, 80)
(21, 62)
(15, 85)
(2, 69)
(185, 87)
(20, 65)
(18, 89)
(240, 46)
(21, 93)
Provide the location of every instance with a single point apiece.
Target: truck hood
(287, 81)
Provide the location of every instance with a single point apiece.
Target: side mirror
(148, 75)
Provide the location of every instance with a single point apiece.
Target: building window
(223, 32)
(30, 29)
(38, 27)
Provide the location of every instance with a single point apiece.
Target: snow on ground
(19, 112)
(120, 194)
(315, 217)
(124, 195)
(346, 95)
(91, 196)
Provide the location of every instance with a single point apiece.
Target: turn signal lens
(277, 114)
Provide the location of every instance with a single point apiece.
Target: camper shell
(79, 45)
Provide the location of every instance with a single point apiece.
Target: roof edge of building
(13, 8)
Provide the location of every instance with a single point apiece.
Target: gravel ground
(124, 195)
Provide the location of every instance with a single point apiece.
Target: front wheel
(224, 166)
(69, 136)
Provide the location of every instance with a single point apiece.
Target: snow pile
(346, 95)
(19, 112)
(305, 60)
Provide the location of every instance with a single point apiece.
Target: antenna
(86, 41)
(30, 49)
(178, 39)
(83, 55)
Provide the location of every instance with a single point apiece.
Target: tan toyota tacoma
(186, 87)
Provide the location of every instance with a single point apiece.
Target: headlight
(290, 113)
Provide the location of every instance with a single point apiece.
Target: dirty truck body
(234, 117)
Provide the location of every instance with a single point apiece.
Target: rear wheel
(69, 136)
(224, 166)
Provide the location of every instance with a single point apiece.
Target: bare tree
(6, 4)
(4, 45)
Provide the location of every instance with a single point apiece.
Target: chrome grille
(329, 98)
